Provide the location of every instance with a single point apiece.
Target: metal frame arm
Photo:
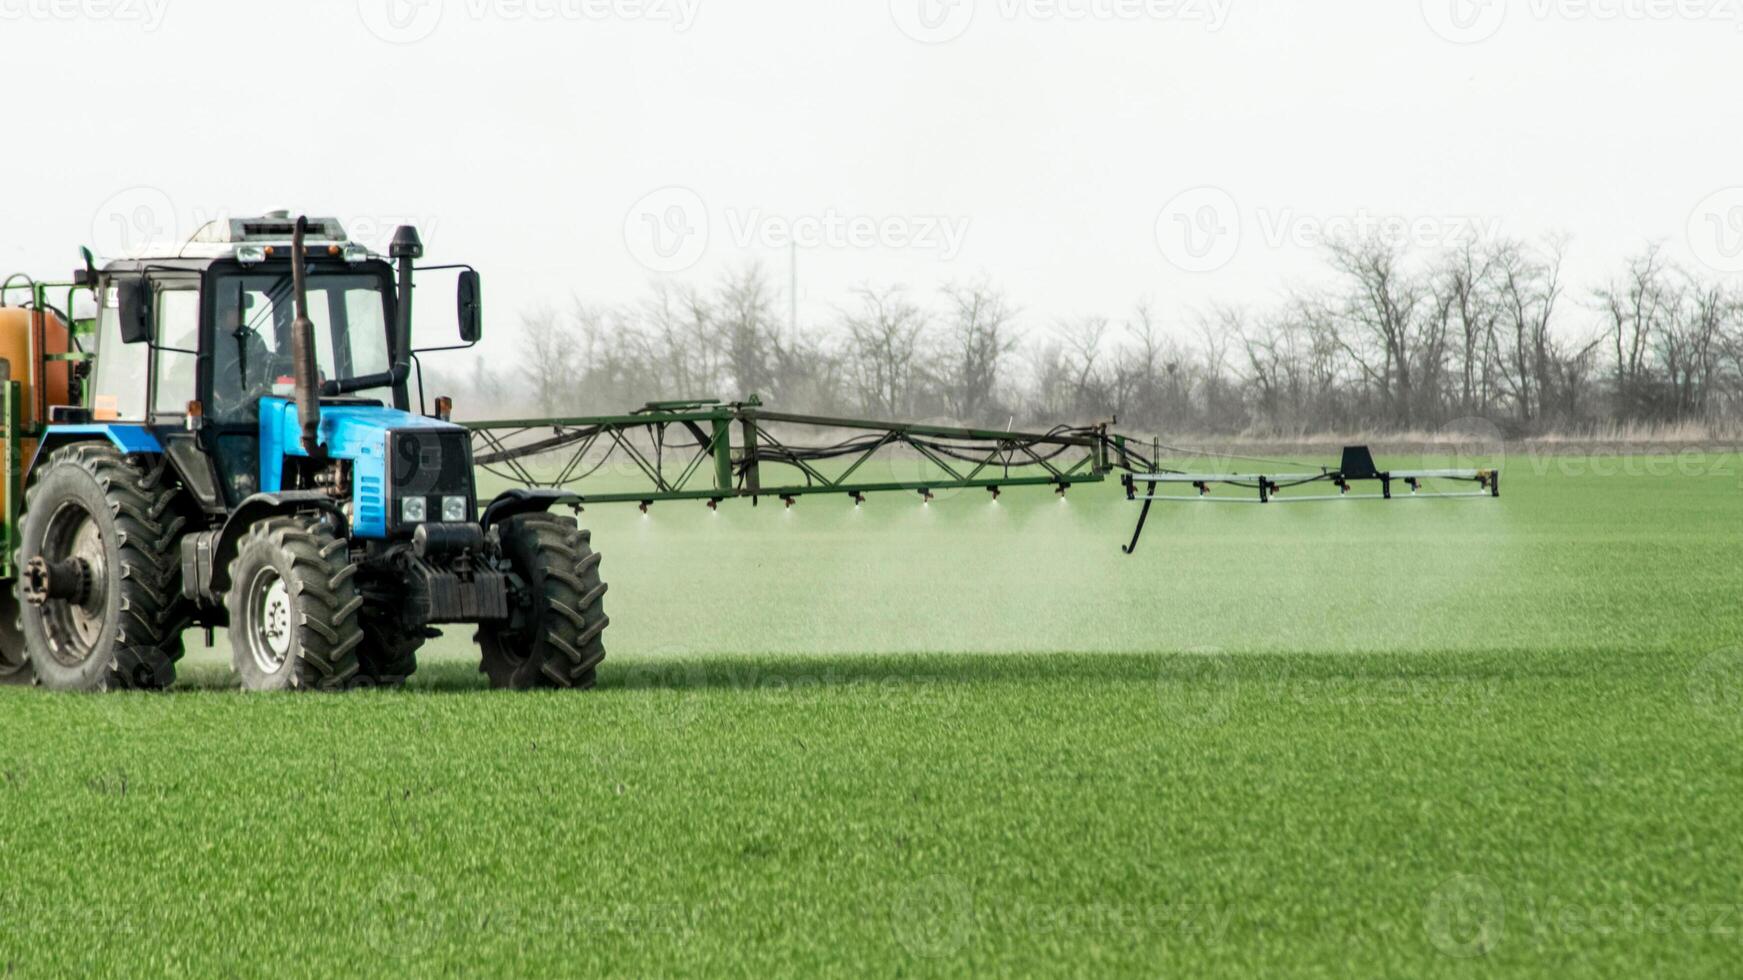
(688, 451)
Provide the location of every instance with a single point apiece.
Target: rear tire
(554, 639)
(294, 607)
(14, 659)
(389, 654)
(90, 502)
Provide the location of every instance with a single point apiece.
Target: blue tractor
(239, 449)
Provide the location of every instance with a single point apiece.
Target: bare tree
(745, 321)
(1397, 340)
(976, 343)
(1527, 288)
(1691, 344)
(805, 374)
(680, 325)
(1383, 316)
(550, 355)
(1636, 307)
(1218, 334)
(1050, 381)
(883, 338)
(1465, 293)
(1279, 361)
(1083, 342)
(1141, 385)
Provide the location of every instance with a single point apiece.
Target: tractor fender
(257, 508)
(130, 438)
(513, 503)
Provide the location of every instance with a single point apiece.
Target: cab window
(252, 341)
(119, 384)
(178, 337)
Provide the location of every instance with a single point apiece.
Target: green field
(1418, 738)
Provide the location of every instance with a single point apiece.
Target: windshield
(252, 342)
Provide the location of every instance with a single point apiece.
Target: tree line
(1394, 342)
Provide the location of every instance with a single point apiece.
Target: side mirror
(471, 306)
(133, 302)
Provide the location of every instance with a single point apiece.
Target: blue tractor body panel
(129, 437)
(354, 432)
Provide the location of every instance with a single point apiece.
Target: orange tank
(16, 346)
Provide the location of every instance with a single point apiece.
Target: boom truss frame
(709, 451)
(687, 451)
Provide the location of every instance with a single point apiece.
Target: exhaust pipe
(405, 247)
(303, 346)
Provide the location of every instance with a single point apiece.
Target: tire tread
(553, 557)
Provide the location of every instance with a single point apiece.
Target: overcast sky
(1083, 153)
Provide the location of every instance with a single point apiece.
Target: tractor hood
(394, 455)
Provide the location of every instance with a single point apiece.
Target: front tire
(293, 603)
(554, 638)
(89, 504)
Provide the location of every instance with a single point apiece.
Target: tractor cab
(192, 344)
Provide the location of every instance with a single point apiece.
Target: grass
(1400, 739)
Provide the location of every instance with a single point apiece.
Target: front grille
(429, 464)
(371, 507)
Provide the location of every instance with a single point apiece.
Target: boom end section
(1356, 467)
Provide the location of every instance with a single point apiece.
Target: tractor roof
(276, 226)
(224, 238)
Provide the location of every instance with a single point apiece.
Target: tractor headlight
(413, 510)
(454, 510)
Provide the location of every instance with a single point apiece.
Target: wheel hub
(69, 582)
(270, 631)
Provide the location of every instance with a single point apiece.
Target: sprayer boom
(709, 451)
